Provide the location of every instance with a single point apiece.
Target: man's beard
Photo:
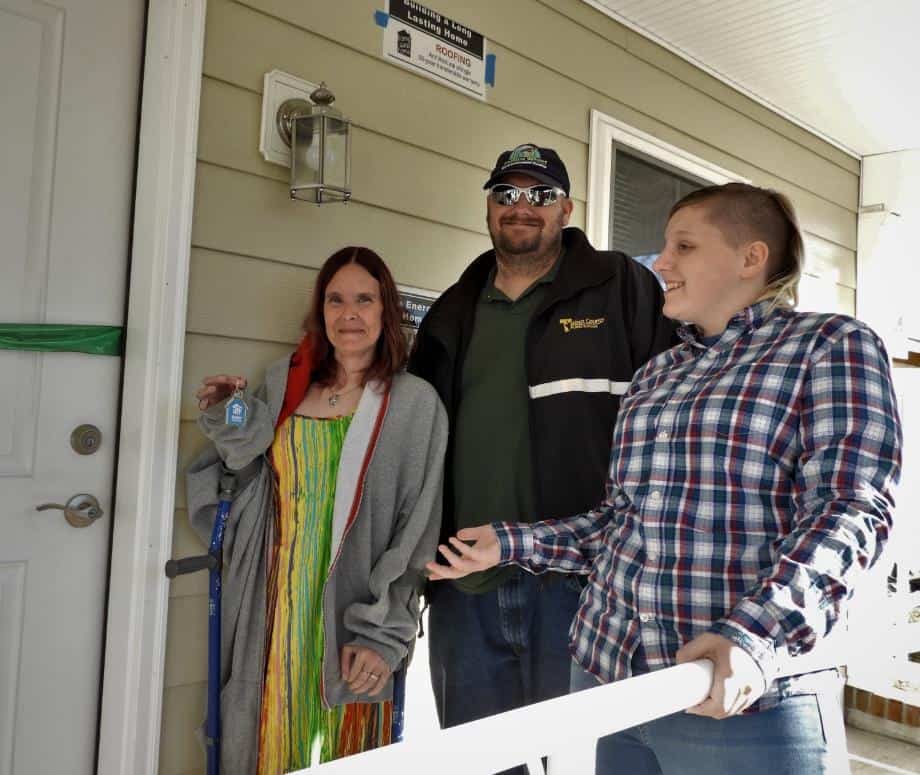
(523, 254)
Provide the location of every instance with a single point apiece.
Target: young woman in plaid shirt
(750, 485)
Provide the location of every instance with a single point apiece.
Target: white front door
(69, 76)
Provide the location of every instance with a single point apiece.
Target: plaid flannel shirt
(750, 484)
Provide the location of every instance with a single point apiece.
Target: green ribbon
(63, 338)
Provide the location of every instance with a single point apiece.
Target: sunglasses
(537, 196)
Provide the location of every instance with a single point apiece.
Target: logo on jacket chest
(580, 324)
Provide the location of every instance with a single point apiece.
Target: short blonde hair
(744, 213)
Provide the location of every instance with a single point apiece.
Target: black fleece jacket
(600, 320)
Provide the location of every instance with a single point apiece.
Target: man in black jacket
(530, 352)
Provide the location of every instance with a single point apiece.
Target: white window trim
(132, 690)
(605, 130)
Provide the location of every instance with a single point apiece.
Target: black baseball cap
(543, 164)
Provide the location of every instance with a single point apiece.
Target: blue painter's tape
(490, 69)
(382, 18)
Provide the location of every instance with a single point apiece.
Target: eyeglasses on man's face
(537, 196)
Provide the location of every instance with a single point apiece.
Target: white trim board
(145, 485)
(605, 130)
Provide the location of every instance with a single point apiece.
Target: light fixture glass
(320, 141)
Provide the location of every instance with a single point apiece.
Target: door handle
(80, 511)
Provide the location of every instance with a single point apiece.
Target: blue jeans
(500, 650)
(803, 735)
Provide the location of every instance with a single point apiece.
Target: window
(634, 179)
(641, 197)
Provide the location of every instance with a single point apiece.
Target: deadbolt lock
(86, 439)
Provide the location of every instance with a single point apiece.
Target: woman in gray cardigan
(339, 465)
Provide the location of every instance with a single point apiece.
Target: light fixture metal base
(314, 194)
(287, 112)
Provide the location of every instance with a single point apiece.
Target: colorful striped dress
(295, 731)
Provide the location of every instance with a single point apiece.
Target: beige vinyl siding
(183, 710)
(421, 152)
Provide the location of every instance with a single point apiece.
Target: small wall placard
(425, 41)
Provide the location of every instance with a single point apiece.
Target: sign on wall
(415, 305)
(425, 41)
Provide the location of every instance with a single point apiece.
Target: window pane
(642, 196)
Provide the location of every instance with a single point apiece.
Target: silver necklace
(334, 397)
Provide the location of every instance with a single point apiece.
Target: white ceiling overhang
(848, 71)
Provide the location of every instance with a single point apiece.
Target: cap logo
(525, 154)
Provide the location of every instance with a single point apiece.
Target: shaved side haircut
(746, 213)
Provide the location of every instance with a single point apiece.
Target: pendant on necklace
(335, 396)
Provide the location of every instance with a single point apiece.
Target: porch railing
(564, 730)
(572, 725)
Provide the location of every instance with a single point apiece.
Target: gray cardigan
(386, 520)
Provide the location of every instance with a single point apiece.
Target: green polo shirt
(492, 471)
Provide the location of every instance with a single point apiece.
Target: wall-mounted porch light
(320, 140)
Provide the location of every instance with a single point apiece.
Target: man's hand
(364, 670)
(484, 553)
(737, 680)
